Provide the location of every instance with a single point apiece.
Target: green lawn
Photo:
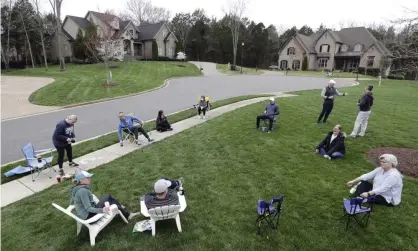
(227, 167)
(112, 138)
(223, 68)
(324, 74)
(83, 83)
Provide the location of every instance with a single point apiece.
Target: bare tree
(234, 15)
(348, 24)
(181, 25)
(56, 7)
(22, 14)
(142, 11)
(6, 54)
(40, 30)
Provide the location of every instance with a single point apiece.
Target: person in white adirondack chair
(82, 199)
(162, 195)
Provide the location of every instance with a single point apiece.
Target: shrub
(154, 50)
(233, 67)
(305, 64)
(370, 71)
(396, 76)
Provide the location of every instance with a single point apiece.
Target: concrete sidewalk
(21, 188)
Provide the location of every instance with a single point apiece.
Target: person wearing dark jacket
(62, 139)
(85, 206)
(365, 104)
(332, 146)
(328, 94)
(202, 107)
(272, 109)
(164, 193)
(161, 122)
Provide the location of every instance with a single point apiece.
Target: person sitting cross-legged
(162, 195)
(132, 124)
(332, 146)
(82, 199)
(387, 182)
(161, 122)
(272, 109)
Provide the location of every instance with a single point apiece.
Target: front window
(324, 48)
(283, 64)
(296, 65)
(323, 62)
(131, 32)
(291, 51)
(344, 48)
(370, 61)
(353, 64)
(358, 47)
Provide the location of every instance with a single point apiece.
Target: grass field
(112, 138)
(83, 83)
(324, 74)
(223, 68)
(227, 167)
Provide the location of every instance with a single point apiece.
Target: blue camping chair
(354, 208)
(37, 164)
(269, 213)
(275, 124)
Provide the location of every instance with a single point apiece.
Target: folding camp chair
(127, 134)
(269, 213)
(37, 164)
(353, 208)
(275, 124)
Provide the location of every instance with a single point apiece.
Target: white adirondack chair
(164, 213)
(94, 224)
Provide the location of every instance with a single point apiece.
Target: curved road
(181, 93)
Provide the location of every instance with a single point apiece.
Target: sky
(282, 14)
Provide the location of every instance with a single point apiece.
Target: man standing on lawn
(62, 139)
(328, 94)
(131, 124)
(365, 104)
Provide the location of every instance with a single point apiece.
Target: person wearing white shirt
(387, 182)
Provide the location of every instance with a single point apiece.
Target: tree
(286, 36)
(235, 14)
(154, 50)
(181, 25)
(305, 64)
(321, 28)
(143, 12)
(6, 18)
(305, 30)
(26, 13)
(40, 30)
(56, 7)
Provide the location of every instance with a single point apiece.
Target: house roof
(104, 17)
(122, 27)
(80, 21)
(148, 31)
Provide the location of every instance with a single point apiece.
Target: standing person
(62, 139)
(162, 123)
(272, 109)
(365, 104)
(328, 94)
(126, 122)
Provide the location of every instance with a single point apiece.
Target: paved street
(181, 93)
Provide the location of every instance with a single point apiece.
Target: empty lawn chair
(353, 208)
(37, 164)
(94, 224)
(269, 213)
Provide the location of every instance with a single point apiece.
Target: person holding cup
(82, 199)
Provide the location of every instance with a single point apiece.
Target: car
(273, 67)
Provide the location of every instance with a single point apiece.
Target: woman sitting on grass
(387, 182)
(332, 146)
(162, 124)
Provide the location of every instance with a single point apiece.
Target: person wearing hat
(162, 196)
(82, 199)
(328, 94)
(365, 104)
(62, 139)
(202, 106)
(272, 109)
(387, 182)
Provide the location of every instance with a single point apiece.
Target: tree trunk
(27, 37)
(5, 60)
(58, 32)
(41, 33)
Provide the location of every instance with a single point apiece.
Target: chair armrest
(44, 150)
(182, 201)
(31, 158)
(144, 209)
(70, 208)
(94, 218)
(95, 199)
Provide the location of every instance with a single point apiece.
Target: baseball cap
(161, 185)
(272, 99)
(331, 81)
(82, 175)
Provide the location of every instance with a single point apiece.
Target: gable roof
(81, 22)
(104, 17)
(122, 27)
(148, 31)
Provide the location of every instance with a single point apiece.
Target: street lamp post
(242, 55)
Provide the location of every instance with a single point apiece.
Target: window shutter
(320, 48)
(328, 48)
(288, 51)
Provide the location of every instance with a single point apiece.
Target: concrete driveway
(100, 118)
(15, 92)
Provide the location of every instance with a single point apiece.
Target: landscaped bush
(14, 65)
(154, 50)
(370, 71)
(305, 64)
(396, 76)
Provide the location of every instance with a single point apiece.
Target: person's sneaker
(137, 142)
(72, 163)
(360, 135)
(353, 135)
(170, 129)
(121, 144)
(61, 172)
(150, 140)
(131, 215)
(269, 131)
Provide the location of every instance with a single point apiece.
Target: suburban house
(343, 50)
(136, 40)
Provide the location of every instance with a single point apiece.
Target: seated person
(209, 105)
(332, 146)
(162, 196)
(387, 182)
(271, 110)
(202, 106)
(82, 199)
(162, 124)
(127, 122)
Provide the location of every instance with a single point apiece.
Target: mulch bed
(407, 159)
(110, 84)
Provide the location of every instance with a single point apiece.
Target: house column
(132, 47)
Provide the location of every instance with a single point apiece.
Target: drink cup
(58, 178)
(107, 204)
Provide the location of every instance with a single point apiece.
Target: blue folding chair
(275, 124)
(269, 213)
(354, 208)
(37, 165)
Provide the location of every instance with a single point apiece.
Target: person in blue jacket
(272, 109)
(134, 124)
(62, 139)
